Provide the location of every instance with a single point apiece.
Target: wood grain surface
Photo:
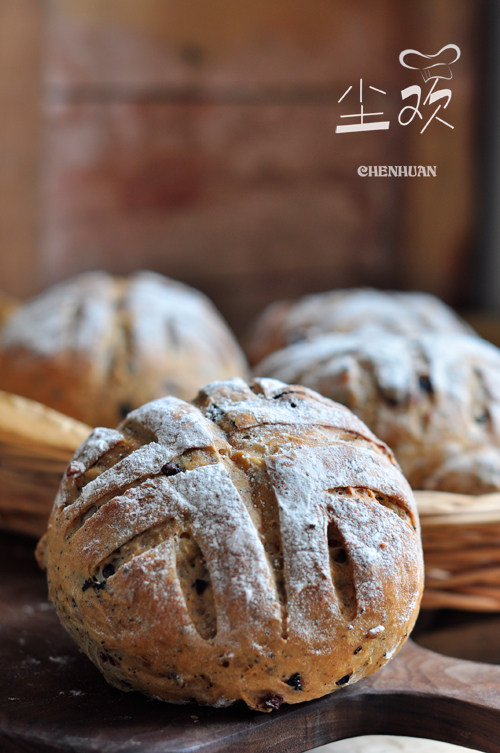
(53, 699)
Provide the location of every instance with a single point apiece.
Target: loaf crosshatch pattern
(259, 544)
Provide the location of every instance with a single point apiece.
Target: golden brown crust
(287, 322)
(95, 347)
(257, 544)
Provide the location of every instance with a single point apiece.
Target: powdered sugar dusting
(96, 346)
(431, 398)
(41, 325)
(97, 444)
(394, 311)
(136, 510)
(218, 517)
(346, 311)
(280, 404)
(166, 311)
(306, 484)
(177, 425)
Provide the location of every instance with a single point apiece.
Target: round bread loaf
(95, 347)
(435, 399)
(258, 544)
(287, 322)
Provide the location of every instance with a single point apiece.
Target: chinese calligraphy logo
(426, 105)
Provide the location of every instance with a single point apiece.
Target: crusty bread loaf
(258, 544)
(408, 313)
(95, 347)
(435, 399)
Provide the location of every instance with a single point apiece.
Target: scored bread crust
(286, 322)
(94, 347)
(434, 398)
(259, 543)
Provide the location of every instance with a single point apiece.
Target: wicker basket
(461, 539)
(36, 444)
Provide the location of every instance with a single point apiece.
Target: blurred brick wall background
(198, 138)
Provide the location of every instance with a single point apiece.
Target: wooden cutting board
(53, 699)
